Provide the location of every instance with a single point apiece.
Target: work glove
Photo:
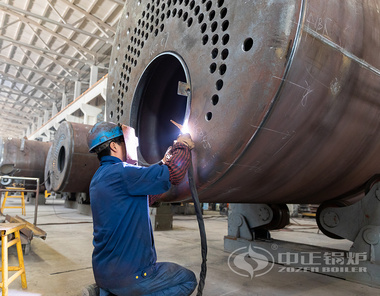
(182, 138)
(168, 155)
(185, 139)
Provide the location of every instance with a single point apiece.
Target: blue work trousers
(168, 279)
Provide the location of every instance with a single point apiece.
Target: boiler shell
(69, 165)
(298, 114)
(23, 158)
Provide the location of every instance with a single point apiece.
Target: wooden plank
(8, 228)
(25, 231)
(36, 230)
(30, 229)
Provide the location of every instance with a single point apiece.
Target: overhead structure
(50, 52)
(281, 97)
(88, 108)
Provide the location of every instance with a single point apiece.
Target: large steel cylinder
(69, 165)
(282, 98)
(23, 158)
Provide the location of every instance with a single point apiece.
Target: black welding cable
(202, 231)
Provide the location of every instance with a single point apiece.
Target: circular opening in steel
(61, 159)
(162, 94)
(248, 43)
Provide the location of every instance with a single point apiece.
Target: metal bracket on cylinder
(183, 88)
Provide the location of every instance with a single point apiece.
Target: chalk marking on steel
(291, 82)
(271, 130)
(306, 93)
(307, 89)
(325, 40)
(256, 168)
(286, 143)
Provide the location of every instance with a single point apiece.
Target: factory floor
(61, 264)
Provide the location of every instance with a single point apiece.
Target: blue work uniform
(124, 256)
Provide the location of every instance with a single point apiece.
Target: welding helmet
(101, 133)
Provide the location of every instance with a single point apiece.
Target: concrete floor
(61, 265)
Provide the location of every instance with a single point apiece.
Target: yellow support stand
(47, 194)
(7, 195)
(5, 230)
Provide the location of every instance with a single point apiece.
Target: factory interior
(271, 184)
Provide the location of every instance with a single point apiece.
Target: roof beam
(14, 118)
(9, 24)
(56, 11)
(64, 39)
(10, 131)
(21, 94)
(5, 47)
(118, 2)
(27, 56)
(91, 17)
(38, 36)
(8, 102)
(14, 79)
(32, 73)
(15, 102)
(13, 111)
(79, 21)
(14, 124)
(39, 71)
(36, 48)
(63, 21)
(13, 130)
(54, 60)
(7, 7)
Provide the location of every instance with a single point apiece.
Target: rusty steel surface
(69, 165)
(281, 97)
(23, 158)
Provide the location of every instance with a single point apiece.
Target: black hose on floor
(202, 231)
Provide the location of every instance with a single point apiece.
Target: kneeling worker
(124, 256)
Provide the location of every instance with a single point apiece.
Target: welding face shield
(131, 143)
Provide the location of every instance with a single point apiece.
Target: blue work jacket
(123, 238)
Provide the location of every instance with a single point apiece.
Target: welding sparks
(183, 128)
